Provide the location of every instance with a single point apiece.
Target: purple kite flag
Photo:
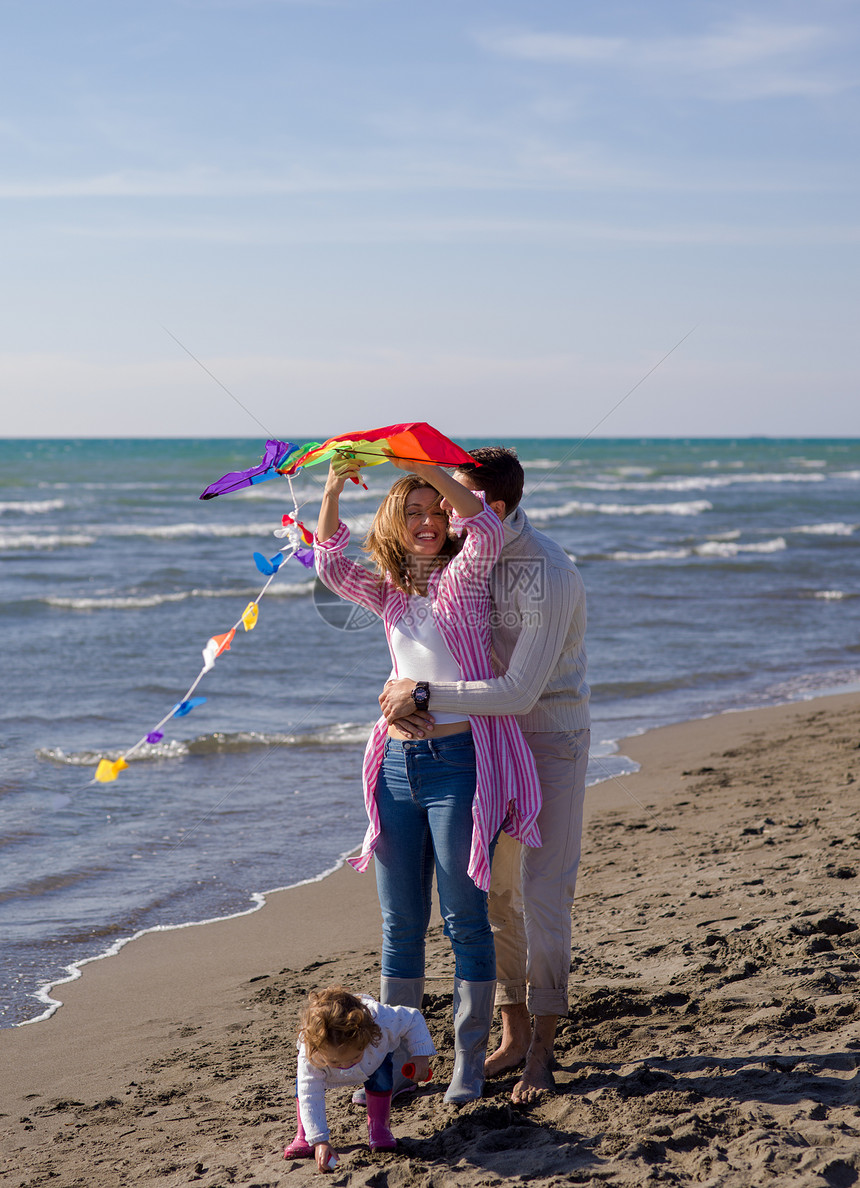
(276, 452)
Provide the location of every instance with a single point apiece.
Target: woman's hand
(410, 466)
(341, 468)
(324, 1154)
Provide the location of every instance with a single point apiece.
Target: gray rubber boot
(397, 992)
(473, 1015)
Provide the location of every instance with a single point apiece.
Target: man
(539, 649)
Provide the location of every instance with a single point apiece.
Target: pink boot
(379, 1136)
(299, 1148)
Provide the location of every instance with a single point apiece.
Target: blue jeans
(382, 1080)
(424, 794)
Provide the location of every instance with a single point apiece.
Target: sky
(254, 218)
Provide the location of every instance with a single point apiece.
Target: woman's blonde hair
(335, 1018)
(386, 542)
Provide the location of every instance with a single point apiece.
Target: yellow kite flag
(107, 771)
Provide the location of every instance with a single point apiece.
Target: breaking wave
(32, 507)
(49, 540)
(693, 508)
(728, 548)
(339, 734)
(699, 482)
(708, 549)
(134, 601)
(839, 528)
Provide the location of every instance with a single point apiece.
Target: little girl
(347, 1039)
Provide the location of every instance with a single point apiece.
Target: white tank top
(421, 653)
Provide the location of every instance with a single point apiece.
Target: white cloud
(526, 164)
(191, 183)
(746, 59)
(651, 229)
(555, 47)
(250, 5)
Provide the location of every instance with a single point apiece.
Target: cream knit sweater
(538, 639)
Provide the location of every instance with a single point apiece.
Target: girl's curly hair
(335, 1018)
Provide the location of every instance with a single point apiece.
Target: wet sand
(713, 1036)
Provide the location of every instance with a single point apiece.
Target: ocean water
(720, 574)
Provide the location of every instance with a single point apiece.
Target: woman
(439, 802)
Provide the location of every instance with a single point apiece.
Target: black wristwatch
(421, 695)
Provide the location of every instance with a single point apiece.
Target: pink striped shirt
(507, 794)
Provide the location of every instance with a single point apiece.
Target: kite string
(209, 662)
(276, 746)
(567, 456)
(206, 668)
(345, 450)
(224, 387)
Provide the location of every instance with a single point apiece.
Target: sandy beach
(713, 1036)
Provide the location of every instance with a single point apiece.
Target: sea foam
(698, 482)
(338, 734)
(727, 548)
(692, 508)
(32, 507)
(47, 540)
(836, 529)
(136, 601)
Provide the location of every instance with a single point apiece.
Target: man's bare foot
(536, 1080)
(505, 1058)
(537, 1077)
(515, 1041)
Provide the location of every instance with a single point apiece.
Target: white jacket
(397, 1023)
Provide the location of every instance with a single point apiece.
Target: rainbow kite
(415, 442)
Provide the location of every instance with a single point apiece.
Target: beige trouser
(531, 893)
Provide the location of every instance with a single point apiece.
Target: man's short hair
(500, 475)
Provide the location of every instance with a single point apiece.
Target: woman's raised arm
(340, 469)
(464, 502)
